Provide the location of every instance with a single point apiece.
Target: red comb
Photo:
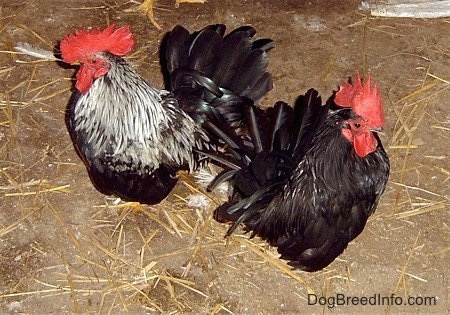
(78, 46)
(364, 101)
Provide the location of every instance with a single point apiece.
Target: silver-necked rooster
(132, 136)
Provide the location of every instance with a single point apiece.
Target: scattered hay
(114, 262)
(148, 7)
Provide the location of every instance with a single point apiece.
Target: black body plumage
(134, 137)
(302, 188)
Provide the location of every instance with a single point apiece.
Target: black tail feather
(222, 178)
(247, 29)
(205, 52)
(280, 137)
(180, 47)
(264, 44)
(220, 159)
(260, 88)
(252, 75)
(232, 58)
(179, 43)
(309, 114)
(224, 133)
(207, 70)
(254, 131)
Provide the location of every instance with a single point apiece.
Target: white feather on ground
(203, 178)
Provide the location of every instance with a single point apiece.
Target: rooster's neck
(333, 163)
(121, 113)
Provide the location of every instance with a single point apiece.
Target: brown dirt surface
(66, 248)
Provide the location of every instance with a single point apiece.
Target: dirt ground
(66, 248)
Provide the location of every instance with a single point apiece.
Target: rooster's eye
(357, 125)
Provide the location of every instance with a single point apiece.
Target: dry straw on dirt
(66, 248)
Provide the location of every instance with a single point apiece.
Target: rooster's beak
(378, 130)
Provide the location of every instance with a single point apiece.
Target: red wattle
(364, 143)
(85, 78)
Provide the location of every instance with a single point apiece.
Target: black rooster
(310, 177)
(134, 137)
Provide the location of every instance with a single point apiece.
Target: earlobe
(101, 71)
(347, 133)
